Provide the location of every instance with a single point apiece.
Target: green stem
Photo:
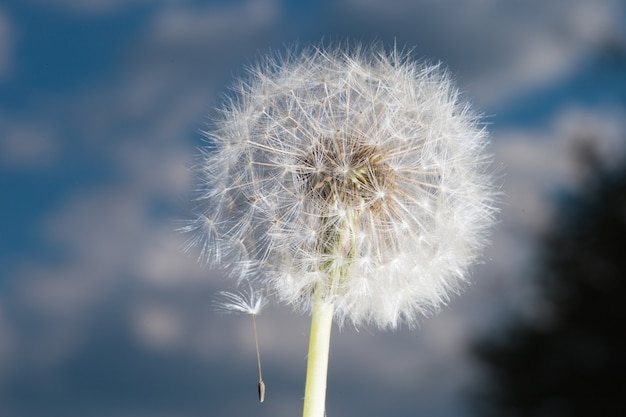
(317, 364)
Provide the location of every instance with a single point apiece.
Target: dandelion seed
(249, 303)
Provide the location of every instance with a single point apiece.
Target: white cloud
(92, 7)
(539, 164)
(7, 40)
(106, 231)
(219, 26)
(7, 344)
(27, 145)
(157, 326)
(507, 46)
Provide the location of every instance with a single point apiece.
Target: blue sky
(101, 103)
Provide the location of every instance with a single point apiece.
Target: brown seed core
(348, 173)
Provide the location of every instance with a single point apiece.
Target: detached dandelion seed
(250, 303)
(349, 182)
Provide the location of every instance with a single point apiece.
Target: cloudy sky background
(101, 102)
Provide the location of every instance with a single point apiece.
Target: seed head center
(350, 174)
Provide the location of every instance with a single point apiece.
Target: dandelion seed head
(355, 172)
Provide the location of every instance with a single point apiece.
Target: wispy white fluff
(247, 302)
(354, 172)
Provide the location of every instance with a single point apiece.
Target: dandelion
(350, 183)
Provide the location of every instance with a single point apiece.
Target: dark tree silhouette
(574, 363)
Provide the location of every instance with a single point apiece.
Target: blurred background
(101, 104)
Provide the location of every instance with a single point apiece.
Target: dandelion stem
(317, 364)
